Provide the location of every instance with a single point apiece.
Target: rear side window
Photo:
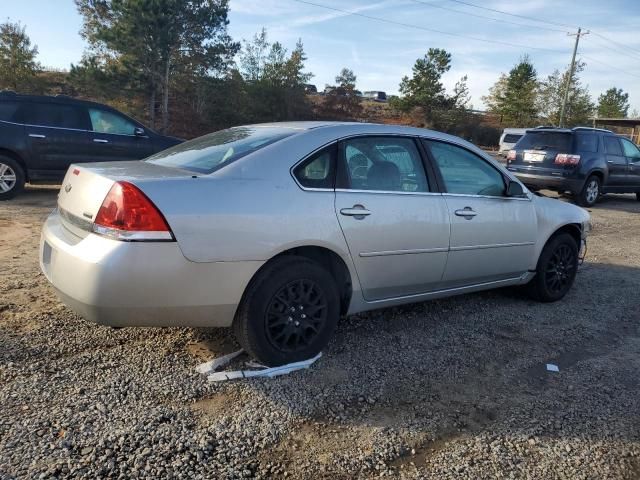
(557, 141)
(212, 152)
(586, 142)
(54, 115)
(318, 171)
(388, 164)
(103, 121)
(511, 138)
(612, 146)
(8, 110)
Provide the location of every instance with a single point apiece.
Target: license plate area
(533, 156)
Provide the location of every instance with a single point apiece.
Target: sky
(382, 52)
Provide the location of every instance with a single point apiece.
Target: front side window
(212, 152)
(464, 172)
(630, 150)
(103, 121)
(612, 146)
(391, 164)
(318, 171)
(53, 115)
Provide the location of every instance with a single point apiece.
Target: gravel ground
(447, 389)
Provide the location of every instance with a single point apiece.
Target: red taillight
(567, 159)
(511, 155)
(127, 214)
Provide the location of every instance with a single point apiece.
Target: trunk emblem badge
(67, 187)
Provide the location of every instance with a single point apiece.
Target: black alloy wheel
(288, 312)
(295, 316)
(556, 269)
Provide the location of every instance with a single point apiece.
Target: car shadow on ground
(475, 366)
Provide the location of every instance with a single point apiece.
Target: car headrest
(384, 176)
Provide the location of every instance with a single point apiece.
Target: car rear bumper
(552, 182)
(139, 283)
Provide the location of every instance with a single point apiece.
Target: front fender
(552, 215)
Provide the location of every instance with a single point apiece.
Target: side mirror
(139, 132)
(514, 189)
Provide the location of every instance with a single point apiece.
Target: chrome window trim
(394, 192)
(74, 129)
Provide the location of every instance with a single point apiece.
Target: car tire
(11, 178)
(273, 323)
(556, 269)
(590, 192)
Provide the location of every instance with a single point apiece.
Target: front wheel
(556, 269)
(11, 178)
(590, 192)
(289, 311)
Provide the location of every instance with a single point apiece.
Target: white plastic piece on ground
(552, 368)
(263, 372)
(216, 363)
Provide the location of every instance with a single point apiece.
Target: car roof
(568, 130)
(356, 128)
(57, 99)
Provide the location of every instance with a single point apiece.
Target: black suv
(41, 136)
(586, 162)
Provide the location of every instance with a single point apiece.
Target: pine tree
(614, 103)
(18, 65)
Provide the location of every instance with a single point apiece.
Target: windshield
(545, 141)
(211, 152)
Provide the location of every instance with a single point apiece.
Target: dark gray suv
(587, 162)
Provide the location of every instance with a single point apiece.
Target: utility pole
(573, 65)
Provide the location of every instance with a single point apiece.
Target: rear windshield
(545, 141)
(512, 137)
(212, 152)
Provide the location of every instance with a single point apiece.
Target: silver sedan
(280, 229)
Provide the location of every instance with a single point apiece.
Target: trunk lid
(85, 187)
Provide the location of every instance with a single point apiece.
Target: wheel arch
(573, 229)
(325, 257)
(13, 155)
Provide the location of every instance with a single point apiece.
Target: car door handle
(466, 212)
(355, 211)
(37, 135)
(100, 140)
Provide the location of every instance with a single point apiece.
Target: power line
(626, 47)
(428, 4)
(610, 66)
(469, 4)
(418, 27)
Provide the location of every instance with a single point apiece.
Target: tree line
(522, 99)
(173, 64)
